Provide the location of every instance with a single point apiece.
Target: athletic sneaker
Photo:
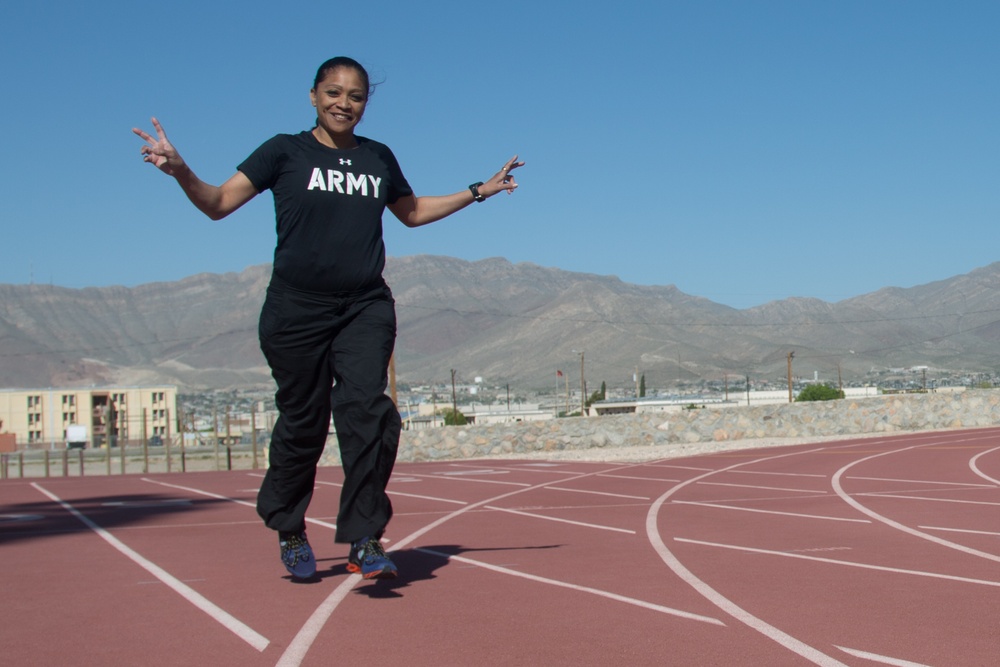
(297, 555)
(368, 557)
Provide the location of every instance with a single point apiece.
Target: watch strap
(475, 191)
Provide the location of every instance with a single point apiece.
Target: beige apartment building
(49, 418)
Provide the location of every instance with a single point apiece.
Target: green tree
(454, 418)
(819, 392)
(598, 395)
(642, 385)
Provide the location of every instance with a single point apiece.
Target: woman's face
(340, 100)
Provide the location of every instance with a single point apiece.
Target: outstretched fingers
(507, 181)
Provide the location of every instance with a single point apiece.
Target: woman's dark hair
(350, 63)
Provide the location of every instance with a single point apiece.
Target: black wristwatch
(475, 191)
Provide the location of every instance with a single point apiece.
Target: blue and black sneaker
(368, 557)
(297, 555)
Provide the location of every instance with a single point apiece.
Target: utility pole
(583, 389)
(791, 355)
(454, 397)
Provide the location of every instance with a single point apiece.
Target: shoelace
(293, 545)
(372, 550)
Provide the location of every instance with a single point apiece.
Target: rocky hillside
(516, 323)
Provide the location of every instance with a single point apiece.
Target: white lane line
(923, 481)
(596, 493)
(432, 498)
(974, 465)
(406, 495)
(575, 587)
(240, 629)
(725, 604)
(847, 563)
(677, 467)
(961, 530)
(754, 509)
(883, 659)
(545, 468)
(460, 478)
(245, 503)
(762, 488)
(642, 479)
(778, 474)
(297, 649)
(552, 518)
(876, 494)
(847, 498)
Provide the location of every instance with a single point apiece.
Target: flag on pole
(558, 373)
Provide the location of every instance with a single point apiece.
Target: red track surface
(865, 552)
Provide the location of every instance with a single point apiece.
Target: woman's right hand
(159, 152)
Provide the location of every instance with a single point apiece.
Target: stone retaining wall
(846, 417)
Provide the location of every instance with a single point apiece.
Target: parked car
(156, 441)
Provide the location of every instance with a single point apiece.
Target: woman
(328, 324)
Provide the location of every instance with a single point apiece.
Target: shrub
(819, 392)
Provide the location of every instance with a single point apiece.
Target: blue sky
(743, 151)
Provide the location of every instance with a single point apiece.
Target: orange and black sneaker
(368, 558)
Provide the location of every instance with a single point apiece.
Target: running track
(877, 551)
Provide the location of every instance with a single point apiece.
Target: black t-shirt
(328, 204)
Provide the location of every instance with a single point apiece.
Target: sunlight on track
(241, 630)
(299, 647)
(725, 604)
(850, 500)
(583, 589)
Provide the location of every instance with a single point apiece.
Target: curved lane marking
(850, 500)
(725, 604)
(296, 651)
(575, 587)
(884, 659)
(974, 464)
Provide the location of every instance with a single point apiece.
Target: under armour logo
(343, 161)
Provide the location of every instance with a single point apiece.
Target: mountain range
(518, 324)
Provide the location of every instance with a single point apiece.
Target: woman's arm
(416, 211)
(214, 201)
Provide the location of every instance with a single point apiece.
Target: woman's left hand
(502, 180)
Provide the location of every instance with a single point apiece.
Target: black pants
(330, 353)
